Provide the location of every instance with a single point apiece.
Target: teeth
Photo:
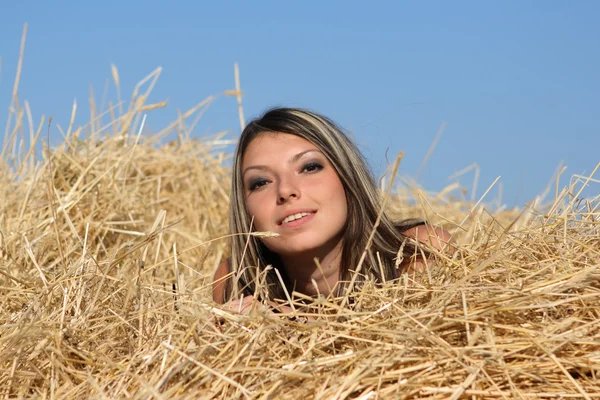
(294, 217)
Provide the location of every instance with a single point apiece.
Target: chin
(295, 249)
(296, 245)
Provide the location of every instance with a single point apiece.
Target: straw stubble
(108, 243)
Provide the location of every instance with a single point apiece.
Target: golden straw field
(108, 242)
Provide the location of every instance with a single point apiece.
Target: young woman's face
(291, 188)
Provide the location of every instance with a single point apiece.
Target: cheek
(342, 206)
(338, 197)
(259, 211)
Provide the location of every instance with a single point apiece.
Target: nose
(287, 189)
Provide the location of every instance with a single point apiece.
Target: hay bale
(107, 246)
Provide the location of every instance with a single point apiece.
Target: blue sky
(517, 83)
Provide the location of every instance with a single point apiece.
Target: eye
(257, 183)
(312, 167)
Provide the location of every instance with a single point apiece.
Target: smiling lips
(296, 219)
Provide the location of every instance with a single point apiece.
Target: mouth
(296, 219)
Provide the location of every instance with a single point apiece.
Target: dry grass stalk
(107, 247)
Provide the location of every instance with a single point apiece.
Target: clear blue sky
(517, 82)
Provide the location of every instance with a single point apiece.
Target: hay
(108, 243)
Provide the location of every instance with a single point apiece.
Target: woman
(297, 175)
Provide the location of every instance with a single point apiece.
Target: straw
(108, 247)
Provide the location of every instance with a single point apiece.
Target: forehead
(275, 145)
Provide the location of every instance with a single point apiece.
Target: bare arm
(220, 282)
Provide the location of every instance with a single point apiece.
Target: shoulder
(220, 278)
(436, 237)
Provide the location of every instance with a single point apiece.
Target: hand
(243, 305)
(247, 303)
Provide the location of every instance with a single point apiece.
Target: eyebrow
(291, 161)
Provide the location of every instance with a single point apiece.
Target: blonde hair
(250, 258)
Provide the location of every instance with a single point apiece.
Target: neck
(304, 273)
